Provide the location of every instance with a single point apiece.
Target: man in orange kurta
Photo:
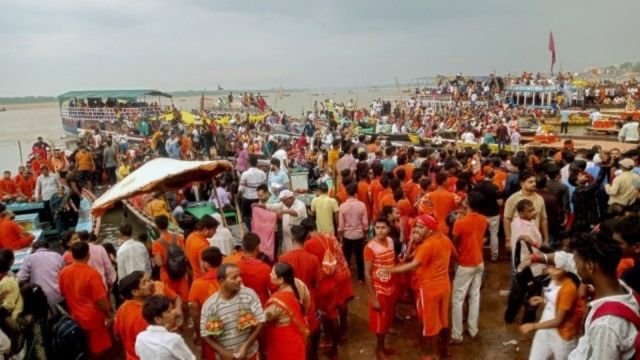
(444, 202)
(86, 296)
(159, 252)
(385, 190)
(129, 322)
(334, 288)
(12, 235)
(364, 194)
(379, 254)
(28, 185)
(9, 190)
(255, 273)
(204, 286)
(433, 288)
(197, 242)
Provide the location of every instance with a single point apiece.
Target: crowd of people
(415, 220)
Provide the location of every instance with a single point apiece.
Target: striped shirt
(250, 180)
(227, 311)
(381, 257)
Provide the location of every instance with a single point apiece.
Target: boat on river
(108, 110)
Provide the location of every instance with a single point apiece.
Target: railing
(219, 110)
(107, 114)
(541, 88)
(428, 97)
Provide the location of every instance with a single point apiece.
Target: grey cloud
(53, 46)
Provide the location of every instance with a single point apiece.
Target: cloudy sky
(49, 47)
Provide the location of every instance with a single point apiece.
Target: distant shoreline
(29, 106)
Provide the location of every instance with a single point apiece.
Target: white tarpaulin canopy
(159, 174)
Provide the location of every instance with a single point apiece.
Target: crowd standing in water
(416, 221)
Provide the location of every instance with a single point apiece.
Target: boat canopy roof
(116, 94)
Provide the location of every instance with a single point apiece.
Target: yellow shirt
(325, 207)
(157, 207)
(123, 171)
(333, 157)
(13, 300)
(154, 139)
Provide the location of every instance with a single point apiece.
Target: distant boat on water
(3, 109)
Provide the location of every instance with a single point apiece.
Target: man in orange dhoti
(433, 289)
(86, 297)
(379, 254)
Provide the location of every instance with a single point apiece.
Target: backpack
(67, 338)
(615, 308)
(329, 259)
(176, 262)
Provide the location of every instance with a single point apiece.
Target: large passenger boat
(108, 110)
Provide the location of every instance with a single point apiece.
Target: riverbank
(30, 106)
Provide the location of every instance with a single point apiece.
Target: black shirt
(491, 195)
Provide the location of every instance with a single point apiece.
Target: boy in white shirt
(158, 343)
(606, 336)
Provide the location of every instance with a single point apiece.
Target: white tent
(159, 174)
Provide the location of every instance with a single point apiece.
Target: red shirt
(195, 244)
(128, 324)
(305, 266)
(27, 186)
(433, 255)
(203, 287)
(443, 203)
(470, 228)
(256, 275)
(10, 235)
(82, 287)
(8, 186)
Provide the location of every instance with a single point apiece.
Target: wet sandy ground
(489, 344)
(360, 343)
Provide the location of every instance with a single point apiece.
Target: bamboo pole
(20, 150)
(240, 220)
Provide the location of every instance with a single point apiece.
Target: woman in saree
(285, 310)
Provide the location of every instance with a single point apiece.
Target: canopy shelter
(128, 95)
(156, 175)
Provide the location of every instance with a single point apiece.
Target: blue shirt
(309, 130)
(173, 150)
(564, 116)
(388, 164)
(489, 139)
(571, 189)
(277, 180)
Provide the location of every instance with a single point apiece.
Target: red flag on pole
(552, 48)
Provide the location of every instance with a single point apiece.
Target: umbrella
(159, 174)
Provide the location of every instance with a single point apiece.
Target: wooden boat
(160, 174)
